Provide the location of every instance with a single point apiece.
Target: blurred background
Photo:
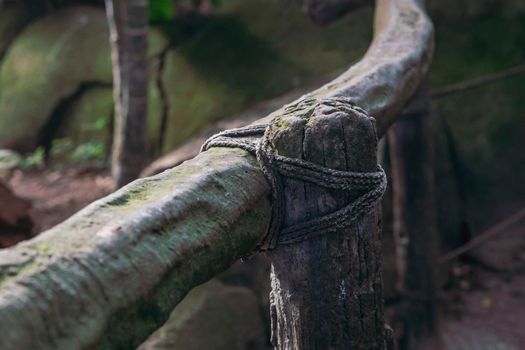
(215, 64)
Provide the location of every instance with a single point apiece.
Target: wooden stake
(327, 291)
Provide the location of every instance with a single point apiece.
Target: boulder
(212, 316)
(88, 118)
(47, 63)
(191, 147)
(254, 274)
(251, 51)
(53, 59)
(9, 159)
(233, 61)
(14, 15)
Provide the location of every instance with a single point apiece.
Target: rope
(256, 140)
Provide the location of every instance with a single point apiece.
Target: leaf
(161, 10)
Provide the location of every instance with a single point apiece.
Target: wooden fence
(111, 274)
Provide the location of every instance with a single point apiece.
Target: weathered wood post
(327, 290)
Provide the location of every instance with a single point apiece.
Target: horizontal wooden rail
(111, 274)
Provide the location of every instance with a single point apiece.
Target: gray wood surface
(327, 290)
(110, 275)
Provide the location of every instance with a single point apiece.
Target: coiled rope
(256, 140)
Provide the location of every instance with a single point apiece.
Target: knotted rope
(256, 140)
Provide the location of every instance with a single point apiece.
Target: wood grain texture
(110, 275)
(326, 291)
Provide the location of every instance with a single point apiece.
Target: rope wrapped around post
(255, 139)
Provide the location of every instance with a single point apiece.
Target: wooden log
(399, 56)
(191, 148)
(327, 291)
(112, 273)
(412, 141)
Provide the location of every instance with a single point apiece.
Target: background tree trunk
(416, 232)
(128, 22)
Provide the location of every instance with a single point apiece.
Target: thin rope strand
(256, 140)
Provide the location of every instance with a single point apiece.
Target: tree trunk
(327, 290)
(128, 21)
(415, 226)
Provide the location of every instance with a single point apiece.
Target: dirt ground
(484, 308)
(55, 195)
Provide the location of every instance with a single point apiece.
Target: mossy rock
(9, 160)
(88, 118)
(212, 316)
(250, 51)
(14, 15)
(49, 62)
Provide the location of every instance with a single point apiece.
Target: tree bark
(145, 246)
(415, 226)
(128, 21)
(327, 290)
(110, 275)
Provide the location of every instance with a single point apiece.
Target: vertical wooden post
(327, 291)
(411, 142)
(128, 25)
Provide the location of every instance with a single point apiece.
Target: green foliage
(165, 10)
(161, 10)
(9, 159)
(34, 159)
(97, 125)
(93, 150)
(60, 147)
(64, 149)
